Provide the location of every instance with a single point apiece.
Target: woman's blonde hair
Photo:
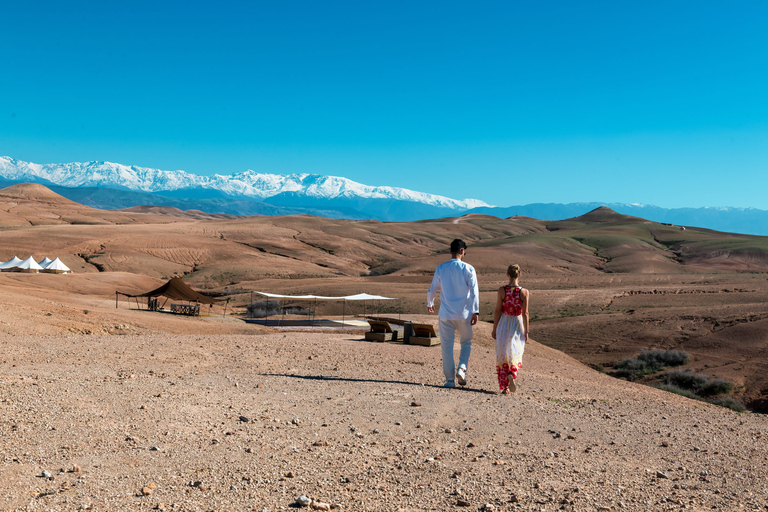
(514, 271)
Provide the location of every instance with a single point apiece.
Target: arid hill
(604, 285)
(34, 192)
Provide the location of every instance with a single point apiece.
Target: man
(459, 310)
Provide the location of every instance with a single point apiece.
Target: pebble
(303, 501)
(415, 404)
(244, 419)
(148, 489)
(46, 474)
(463, 503)
(319, 505)
(661, 474)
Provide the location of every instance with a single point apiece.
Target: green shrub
(702, 388)
(648, 362)
(697, 383)
(730, 403)
(679, 391)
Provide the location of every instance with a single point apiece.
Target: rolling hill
(604, 285)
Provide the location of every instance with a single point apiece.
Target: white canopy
(57, 264)
(11, 263)
(29, 264)
(359, 296)
(45, 262)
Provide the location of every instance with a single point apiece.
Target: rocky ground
(252, 422)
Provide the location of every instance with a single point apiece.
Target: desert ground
(104, 406)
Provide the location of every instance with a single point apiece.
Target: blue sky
(660, 103)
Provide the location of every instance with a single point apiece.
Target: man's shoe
(449, 384)
(461, 376)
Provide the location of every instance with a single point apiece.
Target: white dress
(510, 337)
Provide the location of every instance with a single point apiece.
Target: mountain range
(109, 185)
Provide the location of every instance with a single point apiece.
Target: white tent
(314, 298)
(10, 264)
(57, 267)
(45, 262)
(28, 265)
(359, 296)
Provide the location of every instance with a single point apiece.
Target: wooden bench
(424, 334)
(380, 331)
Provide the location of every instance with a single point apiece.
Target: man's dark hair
(457, 245)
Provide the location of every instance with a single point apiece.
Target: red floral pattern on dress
(504, 373)
(513, 304)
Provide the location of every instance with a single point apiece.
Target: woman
(510, 329)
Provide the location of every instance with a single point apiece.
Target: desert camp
(175, 289)
(30, 266)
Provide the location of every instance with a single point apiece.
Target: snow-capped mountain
(248, 184)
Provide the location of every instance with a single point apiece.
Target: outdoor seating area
(177, 290)
(30, 266)
(381, 330)
(186, 309)
(404, 332)
(423, 334)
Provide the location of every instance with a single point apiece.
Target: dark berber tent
(175, 289)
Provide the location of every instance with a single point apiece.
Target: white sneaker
(449, 384)
(461, 376)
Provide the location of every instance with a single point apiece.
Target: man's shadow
(374, 381)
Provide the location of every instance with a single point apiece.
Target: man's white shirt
(459, 295)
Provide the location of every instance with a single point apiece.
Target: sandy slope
(252, 422)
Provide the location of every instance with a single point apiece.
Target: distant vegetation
(699, 384)
(681, 382)
(701, 387)
(648, 362)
